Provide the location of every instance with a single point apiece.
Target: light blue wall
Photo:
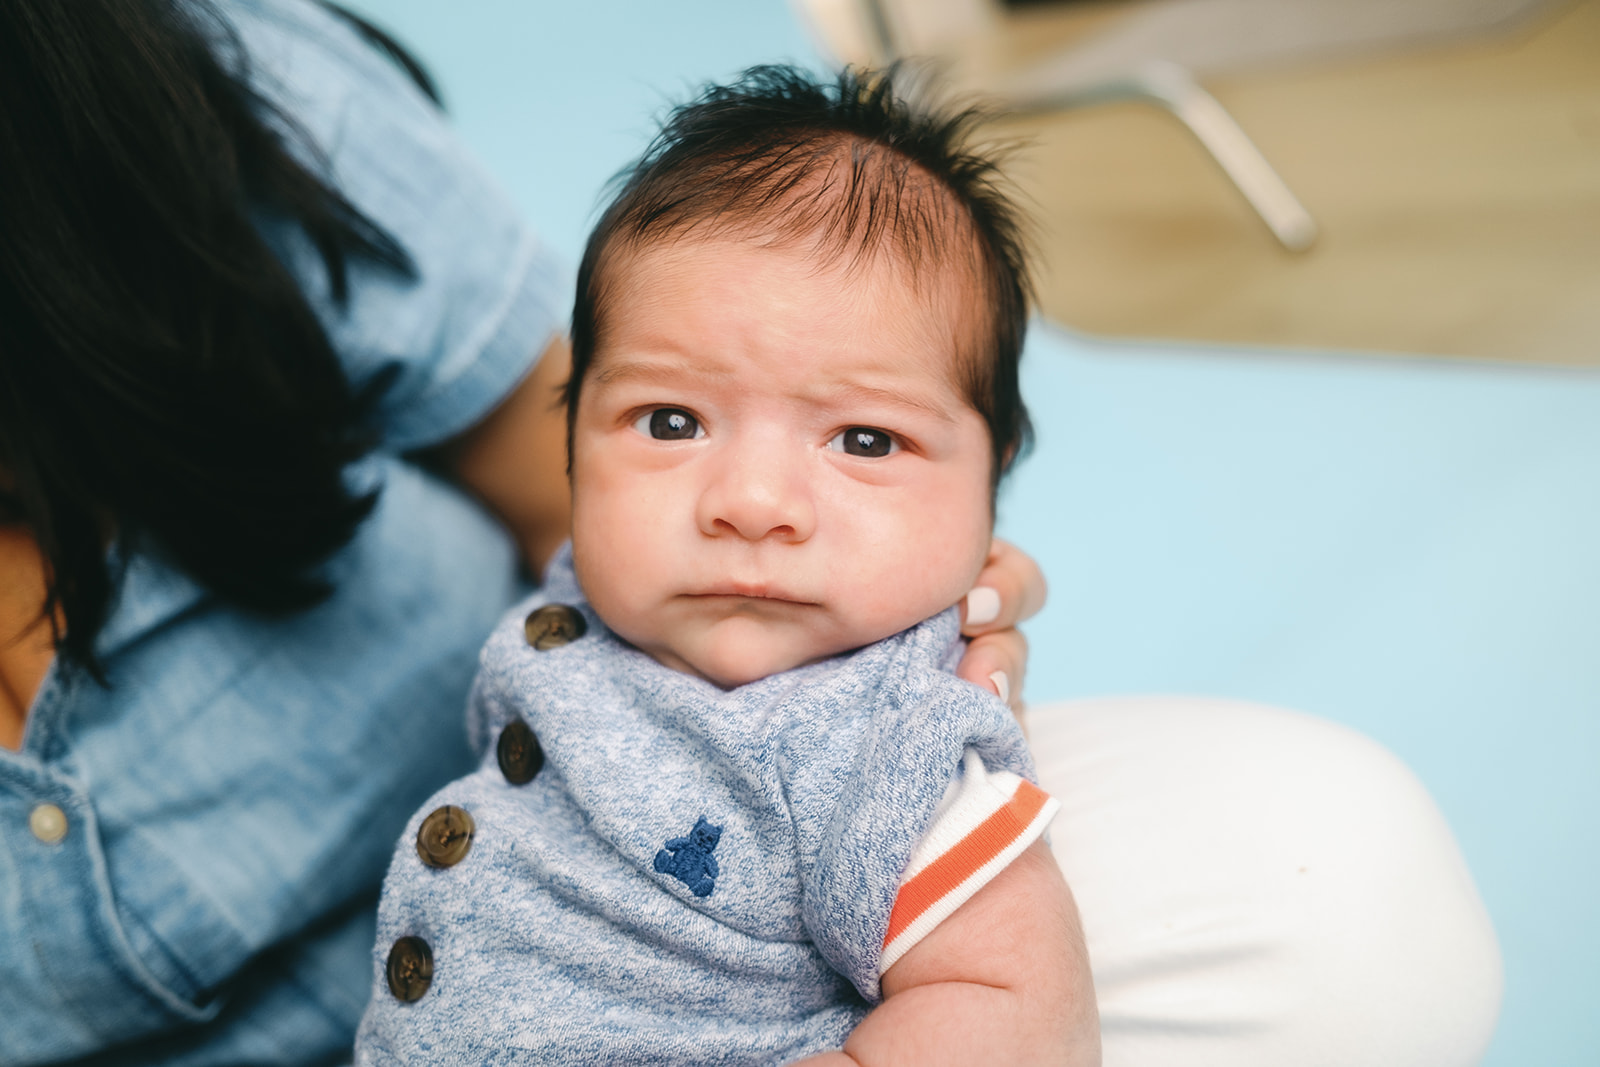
(1411, 548)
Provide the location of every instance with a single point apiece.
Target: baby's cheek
(956, 540)
(916, 562)
(604, 569)
(920, 580)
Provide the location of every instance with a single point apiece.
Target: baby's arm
(1004, 979)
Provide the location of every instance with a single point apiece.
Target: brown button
(519, 753)
(552, 626)
(445, 836)
(410, 970)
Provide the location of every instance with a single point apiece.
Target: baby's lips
(752, 591)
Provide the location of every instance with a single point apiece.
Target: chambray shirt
(694, 876)
(232, 796)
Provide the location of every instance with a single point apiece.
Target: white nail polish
(983, 605)
(1002, 685)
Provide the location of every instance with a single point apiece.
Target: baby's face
(773, 464)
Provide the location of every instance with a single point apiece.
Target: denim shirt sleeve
(487, 295)
(229, 801)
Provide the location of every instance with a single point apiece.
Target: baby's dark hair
(850, 165)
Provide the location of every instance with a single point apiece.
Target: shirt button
(410, 969)
(519, 753)
(445, 836)
(552, 626)
(48, 823)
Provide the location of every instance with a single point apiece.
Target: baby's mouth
(751, 591)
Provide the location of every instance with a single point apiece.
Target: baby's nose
(758, 496)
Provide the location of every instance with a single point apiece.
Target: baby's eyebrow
(848, 392)
(653, 370)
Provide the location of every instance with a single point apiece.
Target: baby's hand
(1009, 589)
(1005, 979)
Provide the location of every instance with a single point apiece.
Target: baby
(734, 806)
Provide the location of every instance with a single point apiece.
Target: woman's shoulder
(447, 343)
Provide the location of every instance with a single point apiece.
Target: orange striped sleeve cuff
(985, 824)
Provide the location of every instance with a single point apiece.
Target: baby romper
(648, 869)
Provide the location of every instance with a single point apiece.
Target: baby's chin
(738, 655)
(731, 668)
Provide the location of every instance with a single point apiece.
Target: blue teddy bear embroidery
(689, 859)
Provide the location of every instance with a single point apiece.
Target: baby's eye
(863, 441)
(668, 424)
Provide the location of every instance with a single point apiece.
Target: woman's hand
(1010, 588)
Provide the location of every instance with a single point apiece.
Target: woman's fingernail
(983, 605)
(1002, 686)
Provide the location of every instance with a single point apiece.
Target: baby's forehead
(859, 214)
(876, 292)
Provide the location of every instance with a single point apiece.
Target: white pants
(1260, 888)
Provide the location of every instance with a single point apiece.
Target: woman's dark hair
(163, 379)
(851, 166)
